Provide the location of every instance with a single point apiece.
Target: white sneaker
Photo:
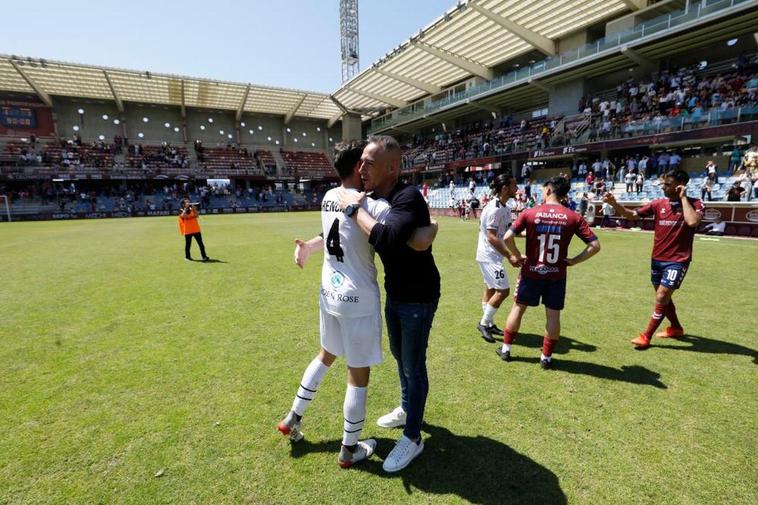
(403, 453)
(393, 419)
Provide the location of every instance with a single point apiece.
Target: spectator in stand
(639, 182)
(663, 163)
(589, 181)
(525, 171)
(707, 189)
(528, 188)
(674, 161)
(745, 181)
(629, 179)
(642, 166)
(711, 170)
(734, 159)
(734, 194)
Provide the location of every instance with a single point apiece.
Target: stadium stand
(623, 87)
(308, 164)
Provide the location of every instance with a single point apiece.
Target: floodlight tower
(349, 38)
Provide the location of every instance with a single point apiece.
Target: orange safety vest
(188, 224)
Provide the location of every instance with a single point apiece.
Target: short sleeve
(646, 210)
(584, 232)
(490, 220)
(520, 224)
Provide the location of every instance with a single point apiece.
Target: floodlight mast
(349, 38)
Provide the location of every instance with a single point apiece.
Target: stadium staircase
(280, 165)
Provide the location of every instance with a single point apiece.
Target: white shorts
(494, 275)
(359, 339)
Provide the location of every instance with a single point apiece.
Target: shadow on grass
(707, 346)
(564, 346)
(476, 469)
(208, 261)
(633, 374)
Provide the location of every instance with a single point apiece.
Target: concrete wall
(351, 127)
(564, 99)
(153, 130)
(91, 124)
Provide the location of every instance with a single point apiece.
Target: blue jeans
(408, 326)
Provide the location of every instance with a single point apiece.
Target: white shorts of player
(494, 275)
(359, 339)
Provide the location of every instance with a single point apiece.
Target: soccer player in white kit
(493, 223)
(350, 312)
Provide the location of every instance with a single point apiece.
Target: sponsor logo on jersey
(711, 214)
(552, 215)
(752, 216)
(668, 222)
(337, 279)
(543, 269)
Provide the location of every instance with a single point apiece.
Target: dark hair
(346, 155)
(501, 180)
(560, 185)
(678, 175)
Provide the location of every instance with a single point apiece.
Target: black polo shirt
(409, 276)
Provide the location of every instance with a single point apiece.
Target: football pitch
(128, 375)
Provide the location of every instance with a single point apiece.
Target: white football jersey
(495, 216)
(348, 276)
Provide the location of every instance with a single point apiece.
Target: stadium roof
(54, 78)
(469, 40)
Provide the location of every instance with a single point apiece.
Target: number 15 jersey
(348, 277)
(549, 230)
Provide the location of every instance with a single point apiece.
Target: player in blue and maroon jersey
(676, 218)
(549, 230)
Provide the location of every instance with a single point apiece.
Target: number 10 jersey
(348, 277)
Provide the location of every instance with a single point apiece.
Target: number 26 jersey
(348, 277)
(549, 230)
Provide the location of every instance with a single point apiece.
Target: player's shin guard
(671, 315)
(354, 410)
(508, 337)
(547, 347)
(312, 377)
(655, 320)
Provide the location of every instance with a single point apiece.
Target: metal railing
(650, 27)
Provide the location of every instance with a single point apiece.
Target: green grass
(119, 359)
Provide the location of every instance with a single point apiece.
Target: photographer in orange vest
(189, 227)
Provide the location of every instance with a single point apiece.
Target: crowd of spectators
(649, 106)
(479, 139)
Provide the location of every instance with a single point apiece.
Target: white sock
(484, 306)
(354, 410)
(545, 358)
(489, 315)
(506, 348)
(312, 377)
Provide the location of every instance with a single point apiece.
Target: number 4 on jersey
(333, 241)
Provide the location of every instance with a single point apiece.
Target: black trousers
(188, 242)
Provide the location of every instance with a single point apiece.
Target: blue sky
(287, 43)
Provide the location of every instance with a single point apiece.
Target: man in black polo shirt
(412, 283)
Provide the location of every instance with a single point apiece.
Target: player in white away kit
(351, 323)
(493, 223)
